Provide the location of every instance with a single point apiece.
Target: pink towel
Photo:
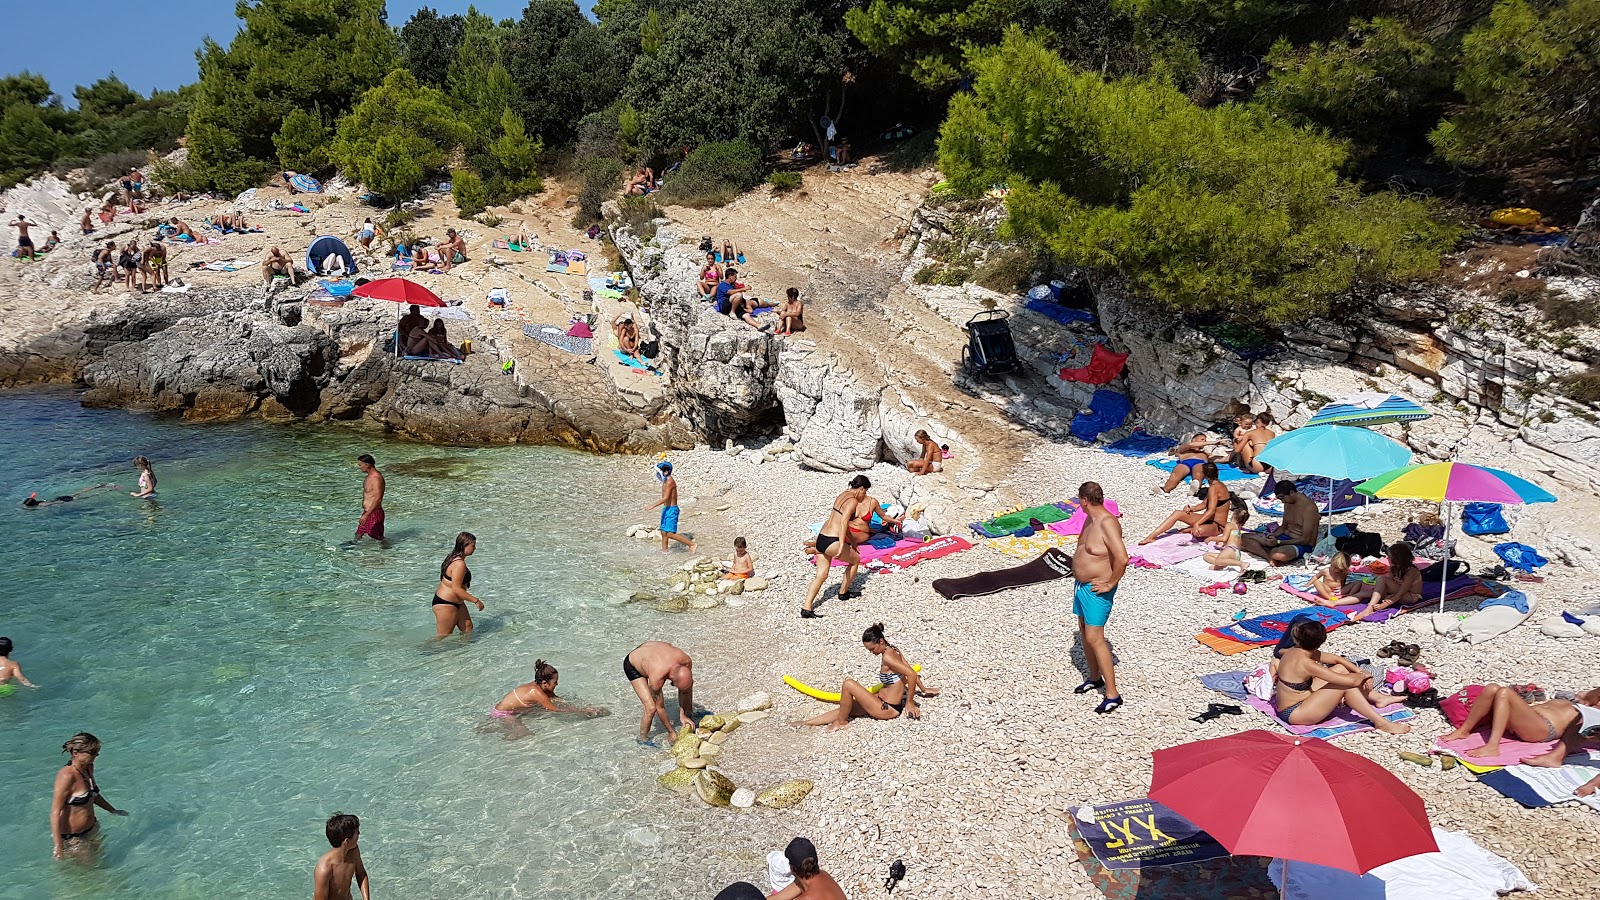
(1511, 751)
(1168, 549)
(1075, 524)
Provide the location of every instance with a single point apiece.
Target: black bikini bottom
(824, 542)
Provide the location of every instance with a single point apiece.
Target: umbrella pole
(1283, 889)
(1443, 581)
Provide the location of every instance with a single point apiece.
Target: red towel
(1102, 368)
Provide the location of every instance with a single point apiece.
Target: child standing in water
(669, 508)
(342, 865)
(9, 669)
(147, 479)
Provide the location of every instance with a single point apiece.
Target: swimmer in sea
(33, 501)
(337, 868)
(72, 821)
(540, 693)
(9, 668)
(451, 597)
(147, 479)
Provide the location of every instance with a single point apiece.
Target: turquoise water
(249, 677)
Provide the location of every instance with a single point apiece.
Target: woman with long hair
(451, 597)
(833, 543)
(1205, 519)
(538, 694)
(1402, 584)
(72, 821)
(899, 685)
(147, 479)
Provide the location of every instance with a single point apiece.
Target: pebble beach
(975, 797)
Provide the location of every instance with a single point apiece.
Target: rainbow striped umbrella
(1368, 409)
(1456, 483)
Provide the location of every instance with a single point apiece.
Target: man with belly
(1097, 566)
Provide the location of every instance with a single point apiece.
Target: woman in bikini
(72, 821)
(538, 694)
(147, 479)
(451, 597)
(710, 275)
(1227, 552)
(932, 458)
(832, 542)
(900, 686)
(1508, 714)
(1205, 519)
(1402, 584)
(1311, 685)
(1191, 455)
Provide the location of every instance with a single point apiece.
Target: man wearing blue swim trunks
(669, 507)
(1297, 536)
(1097, 566)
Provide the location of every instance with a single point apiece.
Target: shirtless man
(277, 263)
(24, 243)
(342, 865)
(153, 265)
(648, 668)
(453, 251)
(1295, 537)
(105, 266)
(181, 229)
(371, 500)
(9, 668)
(1255, 441)
(1097, 566)
(1567, 722)
(669, 507)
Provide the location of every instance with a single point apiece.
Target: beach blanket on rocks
(1261, 631)
(1019, 546)
(1200, 570)
(1342, 497)
(1066, 315)
(1536, 787)
(557, 337)
(1338, 725)
(1223, 878)
(1139, 444)
(1511, 751)
(908, 552)
(1460, 870)
(1107, 411)
(1011, 523)
(1074, 524)
(1050, 565)
(1174, 547)
(1224, 471)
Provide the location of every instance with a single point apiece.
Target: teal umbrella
(1335, 452)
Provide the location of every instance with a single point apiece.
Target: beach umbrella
(1262, 793)
(1336, 452)
(1368, 409)
(398, 290)
(306, 183)
(1457, 483)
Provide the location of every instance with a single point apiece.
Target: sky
(81, 41)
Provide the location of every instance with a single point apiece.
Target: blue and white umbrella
(306, 183)
(1368, 409)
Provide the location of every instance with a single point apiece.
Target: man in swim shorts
(648, 667)
(1097, 567)
(669, 507)
(371, 500)
(1296, 537)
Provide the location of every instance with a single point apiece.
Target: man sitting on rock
(1295, 537)
(728, 289)
(626, 332)
(453, 251)
(412, 320)
(277, 263)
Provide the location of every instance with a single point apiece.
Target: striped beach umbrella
(306, 183)
(1368, 409)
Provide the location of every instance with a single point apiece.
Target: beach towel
(1028, 546)
(1225, 472)
(443, 359)
(228, 265)
(1511, 751)
(1010, 523)
(1460, 870)
(635, 363)
(1536, 787)
(1519, 556)
(1338, 725)
(910, 551)
(1260, 631)
(339, 288)
(1173, 547)
(1200, 570)
(1066, 315)
(1107, 410)
(1229, 683)
(1472, 628)
(1223, 878)
(1140, 443)
(1103, 367)
(1074, 525)
(557, 337)
(1050, 565)
(1342, 496)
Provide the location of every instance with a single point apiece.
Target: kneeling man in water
(648, 668)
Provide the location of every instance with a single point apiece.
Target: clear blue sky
(81, 41)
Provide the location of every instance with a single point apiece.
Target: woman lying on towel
(1566, 721)
(1402, 584)
(1205, 519)
(900, 687)
(1311, 685)
(1191, 455)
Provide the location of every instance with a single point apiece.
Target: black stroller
(989, 350)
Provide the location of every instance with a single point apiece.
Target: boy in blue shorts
(669, 508)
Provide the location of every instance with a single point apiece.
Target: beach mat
(1536, 787)
(1341, 723)
(1051, 565)
(1223, 878)
(633, 362)
(1173, 547)
(1066, 315)
(1511, 751)
(1017, 546)
(557, 337)
(1073, 525)
(1010, 523)
(1224, 471)
(1269, 629)
(1140, 444)
(908, 553)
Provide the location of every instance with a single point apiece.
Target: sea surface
(249, 673)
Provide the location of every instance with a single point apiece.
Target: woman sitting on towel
(1227, 552)
(710, 275)
(1402, 584)
(1191, 454)
(1332, 585)
(1310, 686)
(900, 685)
(1205, 519)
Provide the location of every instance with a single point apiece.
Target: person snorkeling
(33, 501)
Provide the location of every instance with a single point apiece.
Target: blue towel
(1066, 315)
(1517, 600)
(1139, 444)
(1230, 683)
(1261, 630)
(1224, 471)
(1107, 410)
(1519, 556)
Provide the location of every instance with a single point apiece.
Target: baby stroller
(989, 349)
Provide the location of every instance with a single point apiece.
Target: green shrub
(943, 274)
(516, 159)
(302, 142)
(640, 214)
(390, 169)
(601, 178)
(1007, 271)
(177, 179)
(1221, 210)
(468, 190)
(713, 174)
(112, 166)
(404, 120)
(783, 182)
(1563, 312)
(1583, 387)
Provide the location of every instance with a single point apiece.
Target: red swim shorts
(371, 524)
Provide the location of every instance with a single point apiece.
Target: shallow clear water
(249, 677)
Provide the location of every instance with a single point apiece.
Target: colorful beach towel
(1011, 523)
(1140, 444)
(1173, 547)
(1338, 725)
(908, 553)
(1017, 546)
(1224, 471)
(634, 362)
(1511, 753)
(557, 337)
(1074, 525)
(1536, 787)
(1269, 629)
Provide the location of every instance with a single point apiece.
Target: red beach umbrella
(398, 290)
(1261, 793)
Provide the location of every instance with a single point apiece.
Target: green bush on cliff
(1221, 210)
(714, 174)
(399, 118)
